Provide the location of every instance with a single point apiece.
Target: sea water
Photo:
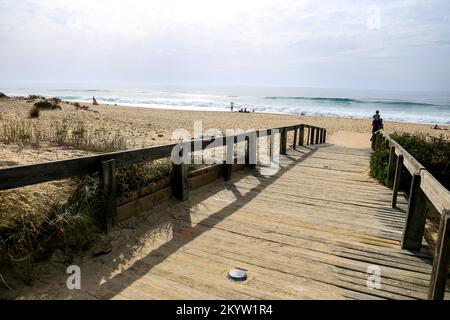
(409, 106)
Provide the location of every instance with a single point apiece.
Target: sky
(395, 45)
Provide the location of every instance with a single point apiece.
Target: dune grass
(29, 132)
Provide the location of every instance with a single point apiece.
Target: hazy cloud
(378, 44)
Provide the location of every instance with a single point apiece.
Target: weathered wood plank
(415, 216)
(435, 191)
(398, 174)
(108, 187)
(439, 275)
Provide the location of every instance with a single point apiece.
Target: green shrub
(46, 105)
(34, 112)
(432, 152)
(379, 164)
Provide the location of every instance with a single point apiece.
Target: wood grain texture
(310, 231)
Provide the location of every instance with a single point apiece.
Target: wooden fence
(107, 163)
(423, 186)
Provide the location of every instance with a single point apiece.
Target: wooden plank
(441, 261)
(180, 180)
(301, 139)
(409, 161)
(398, 173)
(108, 187)
(435, 191)
(283, 141)
(143, 204)
(392, 164)
(415, 217)
(227, 169)
(294, 145)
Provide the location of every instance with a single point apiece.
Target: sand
(150, 127)
(142, 127)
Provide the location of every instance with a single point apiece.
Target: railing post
(301, 138)
(392, 163)
(312, 131)
(373, 141)
(398, 173)
(283, 141)
(415, 217)
(317, 135)
(180, 179)
(108, 187)
(324, 135)
(294, 146)
(377, 140)
(227, 169)
(250, 151)
(308, 138)
(228, 163)
(441, 260)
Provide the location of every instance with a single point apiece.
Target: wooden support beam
(441, 261)
(416, 216)
(377, 140)
(108, 187)
(180, 180)
(398, 173)
(317, 141)
(250, 152)
(308, 138)
(312, 131)
(324, 135)
(227, 170)
(283, 141)
(294, 145)
(301, 138)
(392, 164)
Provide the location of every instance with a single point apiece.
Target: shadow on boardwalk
(184, 232)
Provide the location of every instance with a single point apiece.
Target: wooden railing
(107, 163)
(423, 186)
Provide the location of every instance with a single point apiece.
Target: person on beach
(377, 125)
(94, 101)
(232, 106)
(376, 116)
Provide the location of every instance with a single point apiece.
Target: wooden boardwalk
(309, 232)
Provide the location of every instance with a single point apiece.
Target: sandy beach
(143, 127)
(140, 127)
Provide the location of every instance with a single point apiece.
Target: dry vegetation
(69, 219)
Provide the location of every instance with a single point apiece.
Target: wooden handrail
(423, 186)
(21, 176)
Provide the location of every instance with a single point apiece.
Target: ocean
(408, 106)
